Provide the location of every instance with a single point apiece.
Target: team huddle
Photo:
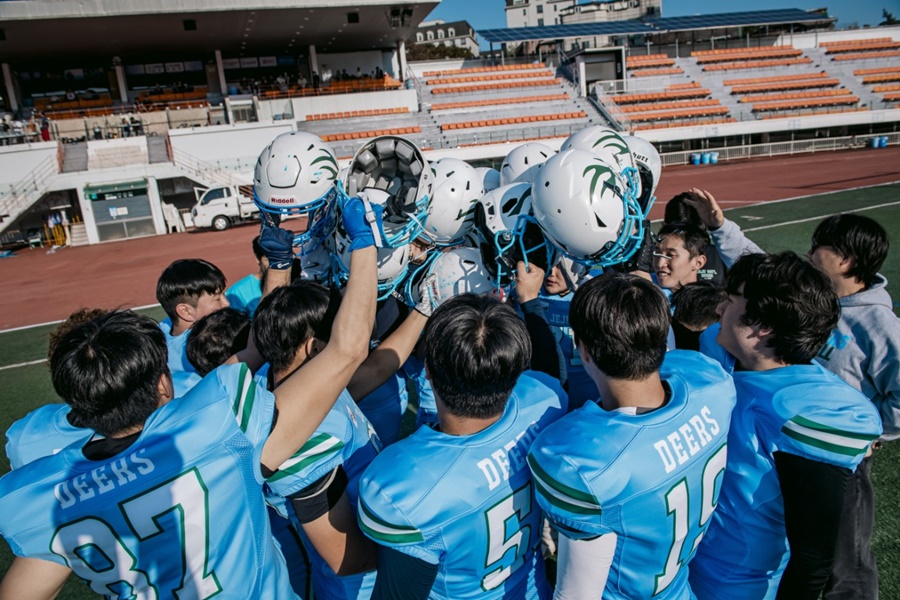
(662, 415)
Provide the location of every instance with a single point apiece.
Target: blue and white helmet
(296, 175)
(451, 209)
(584, 207)
(649, 166)
(393, 263)
(508, 233)
(394, 173)
(522, 162)
(612, 147)
(459, 271)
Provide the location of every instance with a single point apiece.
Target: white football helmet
(611, 146)
(459, 271)
(523, 161)
(400, 179)
(295, 175)
(393, 263)
(584, 208)
(649, 167)
(317, 262)
(507, 233)
(490, 178)
(451, 209)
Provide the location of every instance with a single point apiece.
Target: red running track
(41, 287)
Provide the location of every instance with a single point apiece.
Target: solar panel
(656, 25)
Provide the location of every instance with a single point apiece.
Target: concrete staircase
(78, 235)
(157, 149)
(75, 157)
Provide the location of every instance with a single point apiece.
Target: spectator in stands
(45, 128)
(316, 81)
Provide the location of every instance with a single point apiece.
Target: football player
(629, 481)
(863, 350)
(188, 290)
(797, 434)
(50, 428)
(452, 508)
(170, 500)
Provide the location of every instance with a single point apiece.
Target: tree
(431, 52)
(889, 19)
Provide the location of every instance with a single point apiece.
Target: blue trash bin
(884, 141)
(695, 159)
(876, 142)
(704, 158)
(713, 158)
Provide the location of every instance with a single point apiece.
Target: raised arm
(728, 238)
(304, 399)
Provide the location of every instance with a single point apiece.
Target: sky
(489, 14)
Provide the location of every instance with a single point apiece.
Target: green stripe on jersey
(561, 495)
(315, 449)
(243, 401)
(826, 438)
(382, 531)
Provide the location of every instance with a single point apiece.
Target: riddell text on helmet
(282, 200)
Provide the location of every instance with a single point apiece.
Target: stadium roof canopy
(656, 25)
(55, 28)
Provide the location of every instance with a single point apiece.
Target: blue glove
(277, 245)
(361, 226)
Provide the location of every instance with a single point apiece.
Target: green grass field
(775, 226)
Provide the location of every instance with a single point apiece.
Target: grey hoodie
(864, 350)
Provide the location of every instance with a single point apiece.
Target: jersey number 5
(507, 532)
(96, 553)
(678, 505)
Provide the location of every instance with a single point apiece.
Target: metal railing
(19, 196)
(219, 172)
(779, 148)
(611, 109)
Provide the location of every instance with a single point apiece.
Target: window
(540, 9)
(540, 22)
(430, 35)
(440, 34)
(524, 12)
(420, 37)
(451, 32)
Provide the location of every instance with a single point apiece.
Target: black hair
(475, 349)
(622, 321)
(215, 337)
(694, 237)
(290, 316)
(108, 370)
(858, 238)
(678, 210)
(184, 281)
(696, 303)
(82, 315)
(257, 249)
(788, 295)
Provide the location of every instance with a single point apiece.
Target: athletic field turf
(25, 382)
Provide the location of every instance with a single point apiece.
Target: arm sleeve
(731, 243)
(583, 567)
(886, 381)
(813, 495)
(402, 577)
(545, 355)
(562, 493)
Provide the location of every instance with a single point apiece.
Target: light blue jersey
(42, 432)
(245, 294)
(466, 503)
(803, 410)
(180, 512)
(346, 439)
(427, 411)
(580, 386)
(184, 375)
(652, 478)
(384, 408)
